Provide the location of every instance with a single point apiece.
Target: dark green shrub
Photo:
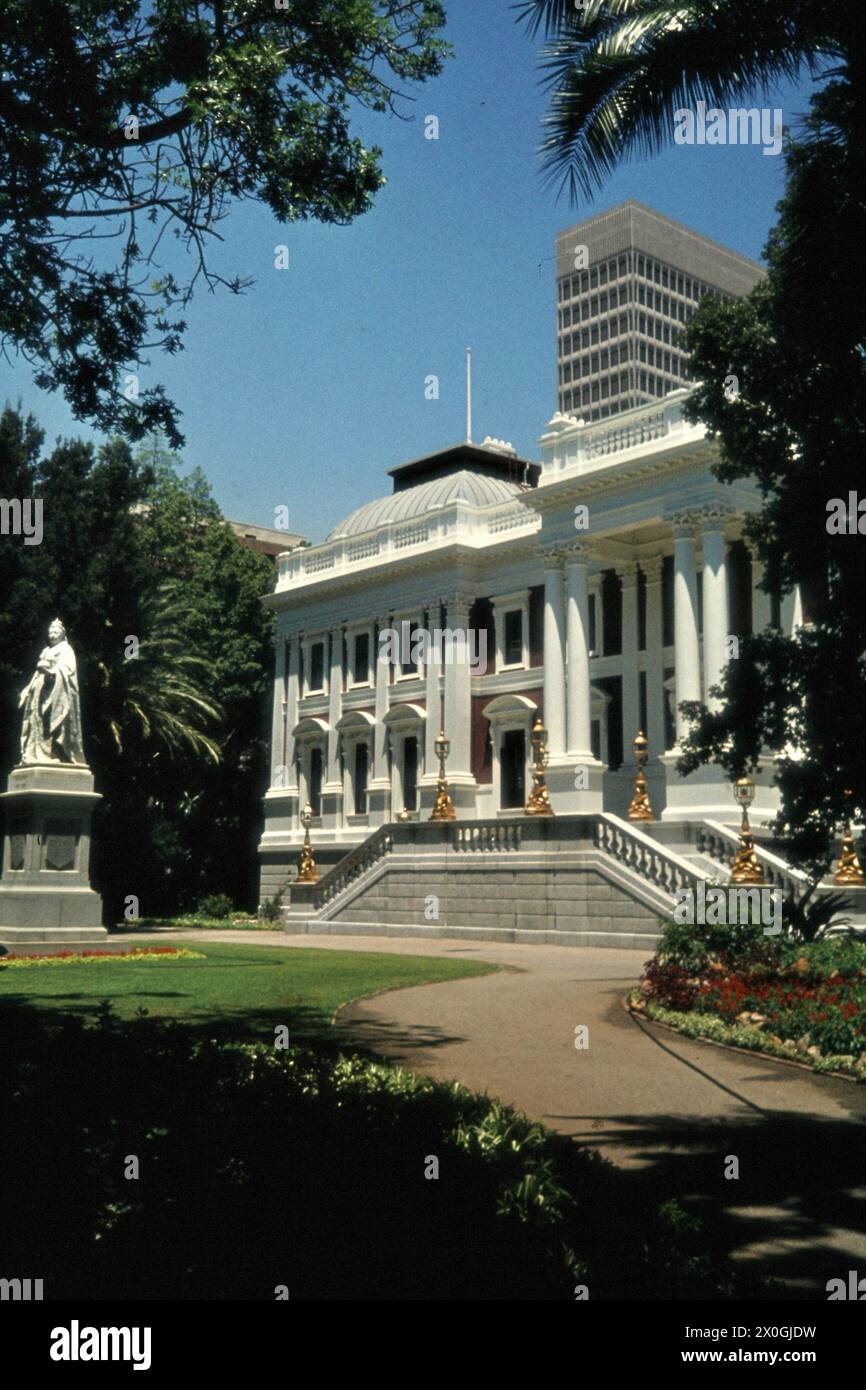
(808, 919)
(216, 905)
(695, 946)
(306, 1169)
(272, 908)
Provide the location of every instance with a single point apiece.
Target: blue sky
(303, 391)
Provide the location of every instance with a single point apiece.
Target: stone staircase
(574, 880)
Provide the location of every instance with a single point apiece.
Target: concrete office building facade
(628, 282)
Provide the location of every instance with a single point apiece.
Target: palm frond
(617, 76)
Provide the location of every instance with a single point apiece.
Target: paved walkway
(665, 1109)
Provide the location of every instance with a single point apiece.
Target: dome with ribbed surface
(464, 486)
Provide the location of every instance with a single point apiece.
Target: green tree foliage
(127, 130)
(619, 69)
(797, 345)
(162, 604)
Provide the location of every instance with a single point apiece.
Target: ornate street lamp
(307, 871)
(640, 808)
(745, 868)
(848, 870)
(539, 798)
(443, 807)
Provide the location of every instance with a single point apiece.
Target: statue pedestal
(45, 893)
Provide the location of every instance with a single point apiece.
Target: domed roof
(463, 486)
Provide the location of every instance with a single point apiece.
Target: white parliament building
(605, 586)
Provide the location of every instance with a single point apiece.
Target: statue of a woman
(51, 731)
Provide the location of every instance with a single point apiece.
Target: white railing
(634, 850)
(486, 837)
(569, 444)
(352, 866)
(512, 518)
(405, 536)
(440, 527)
(719, 843)
(615, 439)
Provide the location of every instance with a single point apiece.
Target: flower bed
(791, 999)
(151, 954)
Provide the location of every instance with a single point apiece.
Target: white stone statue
(51, 731)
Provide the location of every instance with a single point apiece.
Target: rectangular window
(669, 702)
(410, 773)
(408, 665)
(611, 613)
(513, 637)
(668, 602)
(360, 779)
(361, 662)
(316, 763)
(317, 666)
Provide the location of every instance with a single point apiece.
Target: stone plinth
(45, 893)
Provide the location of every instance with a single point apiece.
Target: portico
(610, 584)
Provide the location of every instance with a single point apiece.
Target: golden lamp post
(848, 869)
(640, 808)
(539, 798)
(745, 868)
(443, 807)
(307, 871)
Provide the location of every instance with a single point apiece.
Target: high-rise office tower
(628, 281)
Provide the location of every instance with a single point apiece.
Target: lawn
(235, 991)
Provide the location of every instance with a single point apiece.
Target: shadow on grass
(257, 1168)
(246, 1024)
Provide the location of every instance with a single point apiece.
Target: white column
(554, 654)
(335, 702)
(433, 693)
(762, 607)
(715, 588)
(458, 703)
(278, 713)
(792, 611)
(380, 733)
(687, 652)
(655, 657)
(630, 676)
(579, 695)
(291, 719)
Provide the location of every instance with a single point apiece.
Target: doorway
(512, 762)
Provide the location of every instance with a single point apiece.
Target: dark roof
(465, 457)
